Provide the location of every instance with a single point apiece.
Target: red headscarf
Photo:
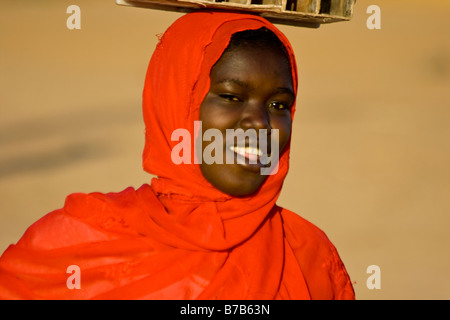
(179, 238)
(176, 84)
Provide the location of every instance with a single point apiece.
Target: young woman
(201, 229)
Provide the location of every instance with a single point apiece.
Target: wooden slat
(294, 12)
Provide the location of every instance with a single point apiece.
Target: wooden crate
(309, 13)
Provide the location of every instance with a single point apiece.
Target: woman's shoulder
(299, 229)
(84, 218)
(318, 258)
(307, 240)
(90, 230)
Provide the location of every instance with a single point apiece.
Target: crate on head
(309, 13)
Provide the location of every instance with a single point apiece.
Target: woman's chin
(233, 179)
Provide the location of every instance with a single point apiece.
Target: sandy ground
(371, 151)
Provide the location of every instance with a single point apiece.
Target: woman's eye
(230, 97)
(278, 105)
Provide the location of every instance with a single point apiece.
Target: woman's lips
(249, 157)
(251, 153)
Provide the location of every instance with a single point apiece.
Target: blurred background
(370, 162)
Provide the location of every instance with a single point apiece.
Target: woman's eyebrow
(286, 90)
(280, 90)
(233, 81)
(247, 85)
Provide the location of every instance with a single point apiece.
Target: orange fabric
(178, 238)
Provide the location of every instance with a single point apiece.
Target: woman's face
(250, 88)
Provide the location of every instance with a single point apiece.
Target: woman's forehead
(244, 62)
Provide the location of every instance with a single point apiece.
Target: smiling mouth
(250, 157)
(250, 153)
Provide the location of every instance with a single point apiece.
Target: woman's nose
(255, 116)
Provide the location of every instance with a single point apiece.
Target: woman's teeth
(248, 152)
